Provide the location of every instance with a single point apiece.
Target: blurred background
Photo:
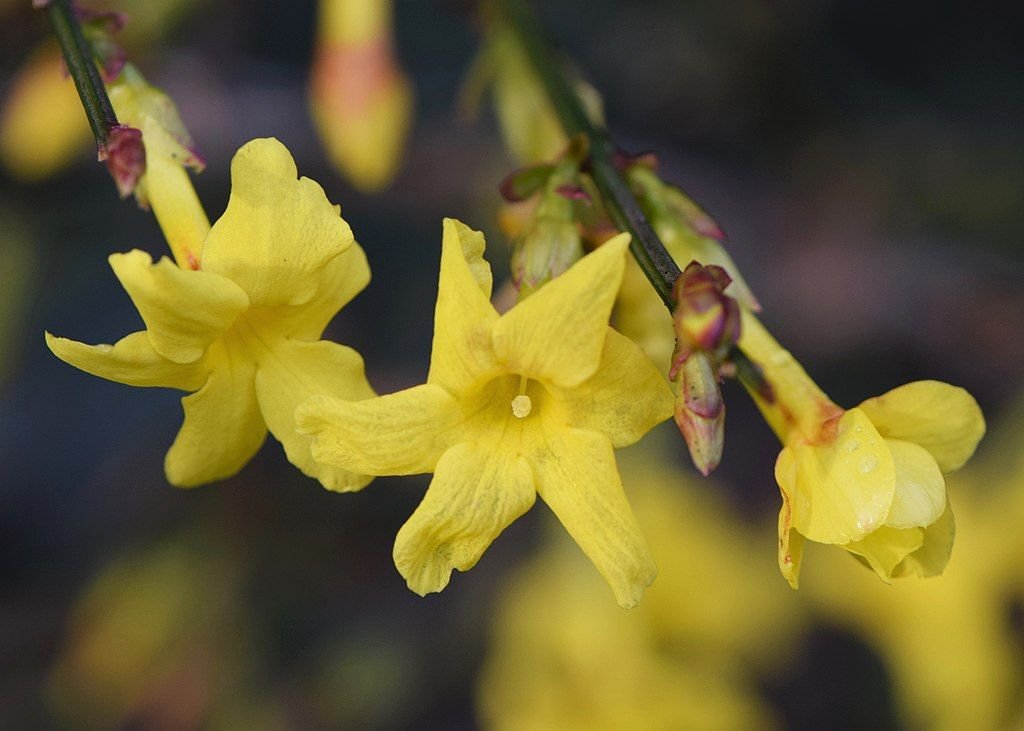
(866, 160)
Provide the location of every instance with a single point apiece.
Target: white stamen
(521, 406)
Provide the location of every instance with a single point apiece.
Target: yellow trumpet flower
(240, 329)
(530, 402)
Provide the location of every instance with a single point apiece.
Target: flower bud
(707, 325)
(700, 410)
(551, 242)
(125, 156)
(705, 317)
(360, 100)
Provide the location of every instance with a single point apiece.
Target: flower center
(521, 404)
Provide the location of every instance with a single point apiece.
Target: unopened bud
(687, 231)
(546, 249)
(360, 100)
(700, 410)
(140, 104)
(551, 242)
(125, 156)
(705, 317)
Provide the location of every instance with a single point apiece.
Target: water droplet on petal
(868, 464)
(853, 445)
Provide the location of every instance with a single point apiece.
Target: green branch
(655, 261)
(657, 264)
(78, 57)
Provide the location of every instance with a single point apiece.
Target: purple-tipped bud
(125, 156)
(700, 410)
(705, 317)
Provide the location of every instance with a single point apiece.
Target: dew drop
(866, 521)
(852, 446)
(868, 464)
(521, 406)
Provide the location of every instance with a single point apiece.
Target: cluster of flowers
(531, 401)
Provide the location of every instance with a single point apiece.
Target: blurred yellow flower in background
(241, 330)
(530, 402)
(159, 639)
(688, 657)
(361, 101)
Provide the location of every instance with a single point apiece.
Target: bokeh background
(867, 162)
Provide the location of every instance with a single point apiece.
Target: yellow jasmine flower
(515, 405)
(869, 479)
(241, 331)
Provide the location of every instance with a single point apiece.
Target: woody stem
(650, 253)
(655, 261)
(78, 57)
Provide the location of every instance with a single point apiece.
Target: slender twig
(655, 261)
(78, 57)
(648, 250)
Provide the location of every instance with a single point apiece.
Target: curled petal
(886, 548)
(223, 427)
(278, 231)
(577, 477)
(557, 335)
(791, 545)
(292, 373)
(920, 496)
(184, 310)
(132, 361)
(944, 419)
(403, 433)
(477, 491)
(933, 555)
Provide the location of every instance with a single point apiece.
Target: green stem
(652, 256)
(78, 57)
(655, 261)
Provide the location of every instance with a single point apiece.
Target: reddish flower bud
(705, 317)
(125, 156)
(700, 410)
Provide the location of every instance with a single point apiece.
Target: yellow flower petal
(170, 193)
(578, 479)
(884, 549)
(402, 433)
(477, 491)
(557, 335)
(920, 496)
(791, 547)
(132, 361)
(462, 356)
(944, 419)
(184, 311)
(293, 372)
(344, 276)
(223, 428)
(624, 399)
(278, 232)
(933, 555)
(842, 490)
